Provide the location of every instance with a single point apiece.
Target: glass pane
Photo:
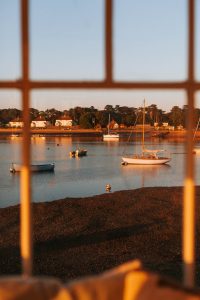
(82, 176)
(10, 145)
(150, 40)
(197, 39)
(10, 40)
(89, 112)
(67, 39)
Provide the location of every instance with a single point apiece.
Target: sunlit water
(86, 176)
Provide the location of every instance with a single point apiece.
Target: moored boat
(147, 156)
(110, 135)
(78, 153)
(34, 168)
(160, 134)
(196, 150)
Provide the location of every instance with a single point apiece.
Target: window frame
(25, 85)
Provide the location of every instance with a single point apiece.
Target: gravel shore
(85, 236)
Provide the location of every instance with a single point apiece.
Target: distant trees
(176, 116)
(90, 117)
(52, 115)
(86, 120)
(6, 115)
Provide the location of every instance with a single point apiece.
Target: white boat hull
(33, 168)
(111, 137)
(145, 161)
(196, 150)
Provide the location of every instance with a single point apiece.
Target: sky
(67, 43)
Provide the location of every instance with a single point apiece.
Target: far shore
(75, 237)
(179, 134)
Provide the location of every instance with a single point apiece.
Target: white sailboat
(196, 149)
(147, 156)
(110, 135)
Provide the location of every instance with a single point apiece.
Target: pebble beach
(76, 237)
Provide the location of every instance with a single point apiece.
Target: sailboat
(147, 156)
(196, 149)
(110, 135)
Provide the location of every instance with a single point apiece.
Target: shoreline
(76, 237)
(124, 134)
(92, 132)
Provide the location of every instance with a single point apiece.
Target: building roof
(17, 120)
(40, 118)
(64, 118)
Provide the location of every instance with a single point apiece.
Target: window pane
(9, 40)
(67, 39)
(75, 177)
(150, 40)
(197, 28)
(10, 145)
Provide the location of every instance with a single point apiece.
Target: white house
(39, 122)
(113, 125)
(16, 123)
(64, 121)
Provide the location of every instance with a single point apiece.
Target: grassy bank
(84, 236)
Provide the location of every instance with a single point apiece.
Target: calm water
(75, 177)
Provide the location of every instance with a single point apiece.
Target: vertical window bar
(189, 184)
(108, 39)
(25, 188)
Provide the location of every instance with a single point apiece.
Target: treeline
(90, 117)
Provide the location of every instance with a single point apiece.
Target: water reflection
(85, 176)
(144, 172)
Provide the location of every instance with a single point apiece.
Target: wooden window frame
(25, 85)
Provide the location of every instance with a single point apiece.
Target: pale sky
(67, 43)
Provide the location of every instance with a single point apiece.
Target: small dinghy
(33, 168)
(78, 153)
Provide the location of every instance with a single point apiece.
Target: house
(180, 127)
(113, 125)
(122, 126)
(165, 124)
(16, 123)
(64, 121)
(40, 122)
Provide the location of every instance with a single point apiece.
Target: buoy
(108, 187)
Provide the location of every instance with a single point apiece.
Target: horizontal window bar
(101, 84)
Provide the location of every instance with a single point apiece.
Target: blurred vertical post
(25, 189)
(189, 184)
(108, 40)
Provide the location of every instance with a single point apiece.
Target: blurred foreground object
(128, 282)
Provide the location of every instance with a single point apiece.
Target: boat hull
(33, 168)
(111, 137)
(145, 161)
(78, 153)
(196, 150)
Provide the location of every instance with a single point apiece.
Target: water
(86, 176)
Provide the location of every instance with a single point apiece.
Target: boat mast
(196, 129)
(109, 124)
(143, 121)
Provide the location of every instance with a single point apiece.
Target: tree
(52, 115)
(109, 108)
(176, 116)
(7, 115)
(34, 113)
(86, 120)
(75, 113)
